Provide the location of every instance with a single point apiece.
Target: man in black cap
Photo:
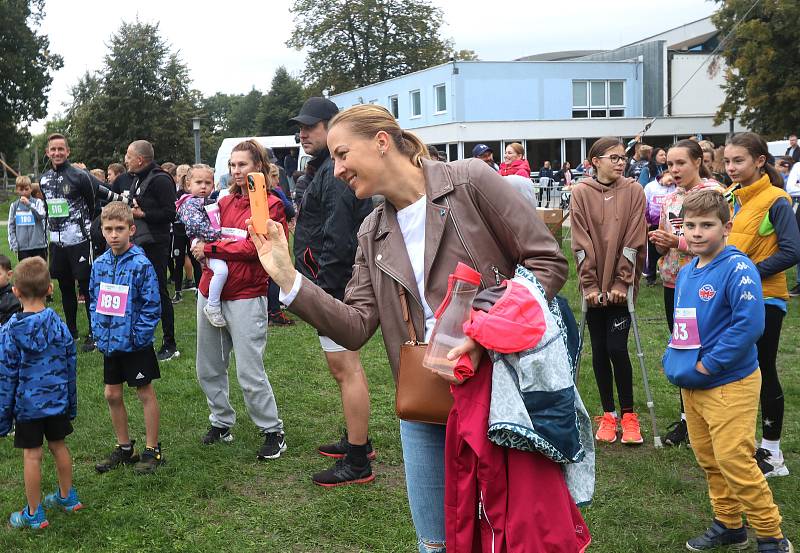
(485, 153)
(325, 249)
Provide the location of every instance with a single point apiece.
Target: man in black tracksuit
(152, 198)
(70, 195)
(325, 248)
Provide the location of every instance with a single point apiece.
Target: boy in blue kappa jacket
(126, 307)
(712, 356)
(38, 391)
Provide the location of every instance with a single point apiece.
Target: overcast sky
(223, 55)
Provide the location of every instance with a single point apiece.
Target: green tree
(763, 64)
(143, 91)
(353, 43)
(26, 64)
(243, 115)
(281, 103)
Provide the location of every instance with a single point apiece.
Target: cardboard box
(553, 218)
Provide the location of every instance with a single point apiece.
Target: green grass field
(220, 498)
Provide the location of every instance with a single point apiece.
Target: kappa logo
(82, 259)
(741, 266)
(747, 296)
(139, 376)
(746, 280)
(706, 292)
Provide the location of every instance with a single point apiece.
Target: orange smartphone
(259, 207)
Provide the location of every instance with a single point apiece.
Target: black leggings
(609, 328)
(771, 391)
(669, 310)
(652, 257)
(273, 298)
(69, 300)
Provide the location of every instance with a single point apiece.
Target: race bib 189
(113, 300)
(685, 334)
(236, 234)
(58, 208)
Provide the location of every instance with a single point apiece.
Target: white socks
(773, 446)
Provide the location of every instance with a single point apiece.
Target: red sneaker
(631, 432)
(607, 432)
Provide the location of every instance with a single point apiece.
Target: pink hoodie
(516, 167)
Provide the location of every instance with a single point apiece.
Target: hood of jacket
(38, 331)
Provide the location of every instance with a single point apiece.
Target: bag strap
(406, 315)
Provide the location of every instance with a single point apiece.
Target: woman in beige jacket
(435, 215)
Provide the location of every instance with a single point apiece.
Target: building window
(416, 103)
(595, 99)
(373, 101)
(394, 106)
(440, 94)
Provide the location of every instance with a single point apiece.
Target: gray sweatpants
(246, 336)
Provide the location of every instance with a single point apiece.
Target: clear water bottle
(448, 332)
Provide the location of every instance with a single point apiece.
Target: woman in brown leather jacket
(435, 215)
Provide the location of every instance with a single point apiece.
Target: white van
(280, 146)
(778, 147)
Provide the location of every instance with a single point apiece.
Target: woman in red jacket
(514, 164)
(244, 305)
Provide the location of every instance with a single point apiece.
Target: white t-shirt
(412, 224)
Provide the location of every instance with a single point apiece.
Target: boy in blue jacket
(712, 356)
(126, 307)
(38, 391)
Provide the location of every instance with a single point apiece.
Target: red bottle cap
(466, 273)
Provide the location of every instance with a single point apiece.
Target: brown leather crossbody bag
(421, 395)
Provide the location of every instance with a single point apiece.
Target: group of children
(38, 394)
(724, 304)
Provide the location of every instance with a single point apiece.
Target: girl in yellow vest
(764, 228)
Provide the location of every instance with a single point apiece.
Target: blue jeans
(423, 455)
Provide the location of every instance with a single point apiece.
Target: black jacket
(325, 237)
(795, 155)
(9, 304)
(156, 199)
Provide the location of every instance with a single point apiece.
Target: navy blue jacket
(135, 330)
(37, 369)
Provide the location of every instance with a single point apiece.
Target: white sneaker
(770, 464)
(214, 316)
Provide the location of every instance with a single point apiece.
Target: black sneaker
(338, 449)
(279, 318)
(118, 457)
(774, 545)
(88, 344)
(188, 285)
(342, 473)
(216, 434)
(177, 298)
(794, 292)
(150, 461)
(770, 464)
(678, 434)
(274, 445)
(168, 352)
(719, 535)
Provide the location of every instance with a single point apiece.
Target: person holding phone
(243, 304)
(608, 222)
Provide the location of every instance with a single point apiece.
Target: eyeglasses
(614, 158)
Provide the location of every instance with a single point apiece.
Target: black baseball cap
(314, 110)
(480, 149)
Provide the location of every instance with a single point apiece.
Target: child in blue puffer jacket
(126, 307)
(38, 391)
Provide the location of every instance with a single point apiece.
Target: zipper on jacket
(482, 509)
(410, 293)
(498, 276)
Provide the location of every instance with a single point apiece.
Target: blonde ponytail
(367, 120)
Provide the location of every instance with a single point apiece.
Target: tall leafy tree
(282, 102)
(142, 92)
(27, 65)
(762, 86)
(354, 43)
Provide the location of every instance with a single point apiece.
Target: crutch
(630, 255)
(584, 308)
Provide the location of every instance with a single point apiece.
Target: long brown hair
(259, 156)
(757, 147)
(601, 146)
(695, 152)
(367, 120)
